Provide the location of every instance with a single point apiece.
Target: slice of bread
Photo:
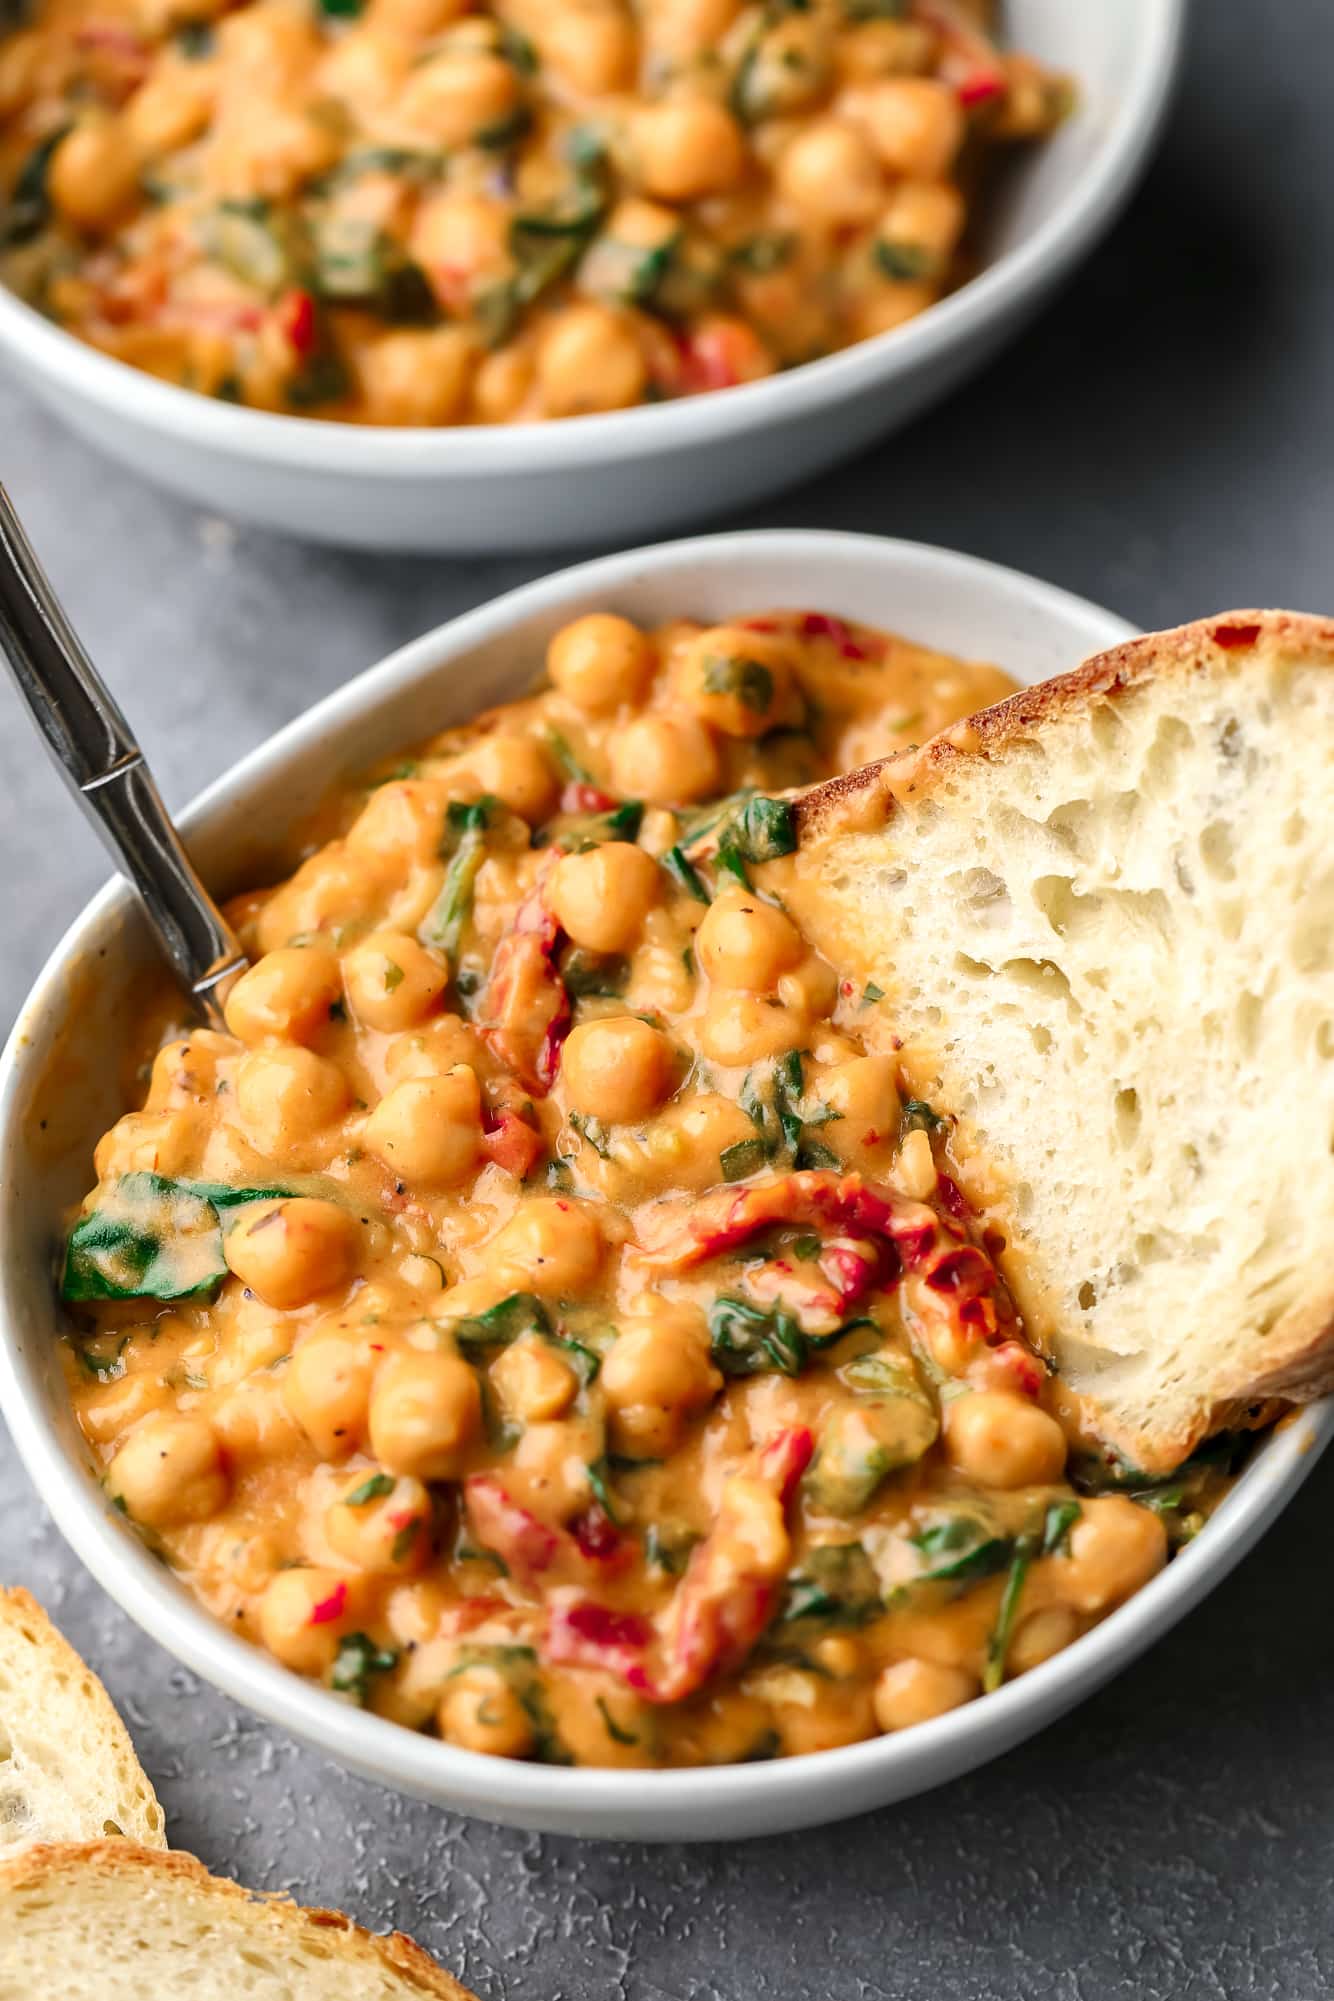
(109, 1921)
(1102, 917)
(67, 1768)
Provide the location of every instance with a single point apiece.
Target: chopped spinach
(357, 1659)
(747, 1340)
(356, 262)
(28, 209)
(684, 874)
(918, 1117)
(520, 1313)
(749, 681)
(466, 825)
(374, 1488)
(589, 830)
(903, 260)
(594, 975)
(153, 1238)
(836, 1586)
(960, 1550)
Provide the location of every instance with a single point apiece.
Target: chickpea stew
(541, 1317)
(476, 211)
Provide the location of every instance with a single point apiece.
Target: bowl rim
(531, 1794)
(416, 453)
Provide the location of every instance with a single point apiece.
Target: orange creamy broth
(432, 212)
(593, 1359)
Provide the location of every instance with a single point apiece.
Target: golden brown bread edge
(43, 1866)
(1300, 1363)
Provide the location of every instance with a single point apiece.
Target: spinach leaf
(836, 1586)
(357, 1659)
(594, 975)
(466, 825)
(747, 1341)
(520, 1313)
(960, 1550)
(589, 830)
(153, 1238)
(684, 874)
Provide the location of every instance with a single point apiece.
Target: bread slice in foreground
(109, 1921)
(67, 1767)
(1102, 917)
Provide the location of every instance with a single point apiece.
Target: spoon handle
(92, 744)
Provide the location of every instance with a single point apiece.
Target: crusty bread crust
(70, 1768)
(1298, 1350)
(70, 1869)
(861, 800)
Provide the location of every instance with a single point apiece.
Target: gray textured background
(1160, 442)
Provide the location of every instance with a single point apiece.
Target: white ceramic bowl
(616, 478)
(58, 1092)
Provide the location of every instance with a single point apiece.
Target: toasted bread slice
(1102, 917)
(67, 1768)
(109, 1921)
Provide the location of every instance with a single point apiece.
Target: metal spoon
(91, 743)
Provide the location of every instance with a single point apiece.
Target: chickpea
(457, 94)
(21, 60)
(501, 385)
(387, 1534)
(327, 1388)
(922, 222)
(480, 1712)
(913, 1691)
(303, 1615)
(365, 68)
(617, 1069)
(415, 19)
(883, 48)
(741, 1028)
(601, 897)
(391, 981)
(830, 175)
(685, 1144)
(658, 1374)
(93, 178)
(255, 1423)
(291, 1251)
(738, 682)
(416, 375)
(113, 1407)
(915, 1169)
(267, 46)
(592, 47)
(287, 1095)
(1040, 1636)
(680, 30)
(401, 821)
(286, 996)
(428, 1130)
(891, 305)
(666, 760)
(864, 1094)
(170, 1471)
(1115, 1547)
(686, 147)
(518, 772)
(533, 1382)
(600, 662)
(1003, 1441)
(170, 109)
(745, 943)
(459, 232)
(914, 123)
(589, 358)
(431, 1051)
(426, 1410)
(553, 1244)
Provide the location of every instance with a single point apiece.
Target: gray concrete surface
(1161, 441)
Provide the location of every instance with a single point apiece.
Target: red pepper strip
(821, 625)
(672, 1239)
(529, 1548)
(582, 1633)
(526, 998)
(855, 1267)
(330, 1608)
(297, 321)
(849, 1268)
(733, 1578)
(526, 1546)
(512, 1143)
(970, 60)
(1021, 1365)
(580, 798)
(722, 1604)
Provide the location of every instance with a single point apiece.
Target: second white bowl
(612, 479)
